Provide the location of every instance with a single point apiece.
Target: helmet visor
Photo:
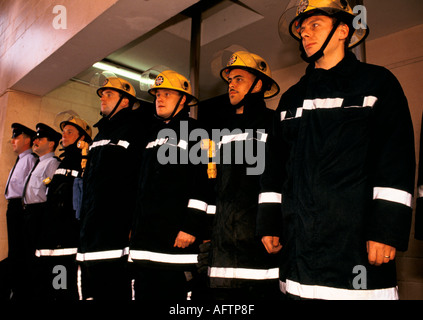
(147, 81)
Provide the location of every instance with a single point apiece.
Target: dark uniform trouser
(58, 277)
(32, 215)
(16, 235)
(159, 284)
(107, 280)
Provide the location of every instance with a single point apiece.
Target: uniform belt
(33, 205)
(15, 200)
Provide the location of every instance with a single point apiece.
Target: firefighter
(59, 231)
(109, 185)
(22, 143)
(339, 178)
(169, 218)
(240, 267)
(34, 197)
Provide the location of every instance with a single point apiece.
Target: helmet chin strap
(319, 53)
(173, 112)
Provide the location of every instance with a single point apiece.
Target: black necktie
(29, 177)
(11, 174)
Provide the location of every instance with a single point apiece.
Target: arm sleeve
(269, 216)
(197, 219)
(392, 167)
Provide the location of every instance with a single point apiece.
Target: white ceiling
(249, 24)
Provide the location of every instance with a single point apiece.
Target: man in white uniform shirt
(35, 195)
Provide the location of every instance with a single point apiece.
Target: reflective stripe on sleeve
(270, 197)
(211, 209)
(393, 195)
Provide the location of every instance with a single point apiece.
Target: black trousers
(58, 278)
(159, 284)
(32, 215)
(107, 280)
(16, 236)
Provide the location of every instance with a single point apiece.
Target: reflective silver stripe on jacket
(270, 197)
(329, 293)
(328, 103)
(197, 204)
(161, 141)
(162, 257)
(243, 273)
(102, 255)
(211, 209)
(261, 136)
(121, 143)
(55, 252)
(393, 195)
(66, 172)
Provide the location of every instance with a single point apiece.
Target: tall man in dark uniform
(240, 267)
(169, 221)
(337, 190)
(109, 191)
(22, 143)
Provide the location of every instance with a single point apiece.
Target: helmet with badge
(169, 79)
(298, 10)
(254, 64)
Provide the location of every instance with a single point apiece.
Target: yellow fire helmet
(118, 84)
(172, 80)
(82, 126)
(334, 8)
(254, 64)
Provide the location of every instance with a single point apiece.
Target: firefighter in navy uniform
(339, 178)
(169, 219)
(240, 267)
(59, 231)
(109, 186)
(22, 143)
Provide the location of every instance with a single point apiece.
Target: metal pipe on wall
(195, 57)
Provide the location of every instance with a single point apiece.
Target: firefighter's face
(314, 32)
(109, 99)
(166, 101)
(240, 82)
(69, 135)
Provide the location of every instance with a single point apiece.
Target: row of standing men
(335, 193)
